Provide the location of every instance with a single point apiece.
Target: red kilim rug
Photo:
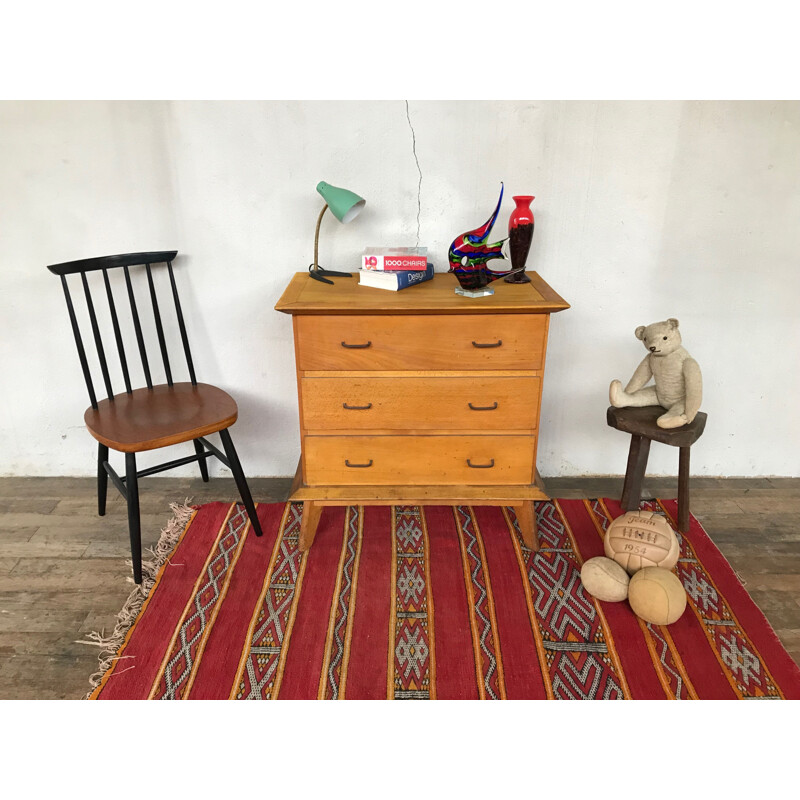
(425, 603)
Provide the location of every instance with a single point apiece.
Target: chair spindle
(101, 354)
(159, 328)
(117, 333)
(87, 376)
(138, 328)
(184, 337)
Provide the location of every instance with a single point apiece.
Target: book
(394, 281)
(390, 259)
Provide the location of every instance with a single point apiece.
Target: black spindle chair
(154, 416)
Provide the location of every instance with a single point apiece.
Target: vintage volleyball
(641, 539)
(657, 596)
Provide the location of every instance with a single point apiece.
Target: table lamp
(345, 205)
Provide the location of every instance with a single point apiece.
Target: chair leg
(683, 489)
(198, 448)
(634, 474)
(241, 481)
(102, 479)
(134, 523)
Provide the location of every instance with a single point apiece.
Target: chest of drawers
(419, 396)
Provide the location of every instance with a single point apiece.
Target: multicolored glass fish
(469, 254)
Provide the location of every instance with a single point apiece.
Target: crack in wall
(419, 185)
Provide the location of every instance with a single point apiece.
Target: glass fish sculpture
(469, 254)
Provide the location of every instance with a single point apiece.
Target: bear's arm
(693, 380)
(640, 377)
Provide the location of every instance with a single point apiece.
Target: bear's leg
(674, 418)
(642, 397)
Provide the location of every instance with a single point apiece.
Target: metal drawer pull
(481, 466)
(357, 346)
(348, 464)
(483, 408)
(496, 344)
(357, 408)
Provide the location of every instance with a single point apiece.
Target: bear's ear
(672, 322)
(639, 332)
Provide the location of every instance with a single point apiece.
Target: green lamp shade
(344, 204)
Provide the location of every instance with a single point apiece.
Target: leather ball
(641, 539)
(657, 595)
(604, 579)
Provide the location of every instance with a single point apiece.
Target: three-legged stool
(641, 424)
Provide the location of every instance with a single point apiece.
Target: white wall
(644, 210)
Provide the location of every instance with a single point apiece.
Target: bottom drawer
(418, 460)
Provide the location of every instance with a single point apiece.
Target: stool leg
(683, 490)
(634, 474)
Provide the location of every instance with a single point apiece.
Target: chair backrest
(125, 261)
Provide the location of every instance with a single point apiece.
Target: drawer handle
(357, 408)
(357, 346)
(480, 466)
(483, 408)
(360, 466)
(490, 344)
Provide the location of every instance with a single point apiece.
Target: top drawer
(424, 342)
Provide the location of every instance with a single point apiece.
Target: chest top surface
(304, 295)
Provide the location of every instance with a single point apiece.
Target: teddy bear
(678, 382)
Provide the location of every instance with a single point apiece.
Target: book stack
(394, 268)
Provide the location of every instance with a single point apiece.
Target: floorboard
(63, 572)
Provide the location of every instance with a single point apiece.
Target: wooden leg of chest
(526, 516)
(308, 524)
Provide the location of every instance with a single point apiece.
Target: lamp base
(320, 274)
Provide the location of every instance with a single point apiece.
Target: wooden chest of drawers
(420, 396)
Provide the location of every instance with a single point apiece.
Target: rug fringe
(109, 645)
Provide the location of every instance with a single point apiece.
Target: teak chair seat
(147, 419)
(154, 416)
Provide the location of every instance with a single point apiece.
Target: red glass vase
(520, 235)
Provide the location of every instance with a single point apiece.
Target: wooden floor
(63, 571)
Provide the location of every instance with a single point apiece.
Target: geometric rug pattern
(433, 602)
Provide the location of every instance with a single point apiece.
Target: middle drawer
(420, 403)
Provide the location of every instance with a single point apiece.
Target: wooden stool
(641, 424)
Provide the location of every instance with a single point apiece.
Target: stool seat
(641, 424)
